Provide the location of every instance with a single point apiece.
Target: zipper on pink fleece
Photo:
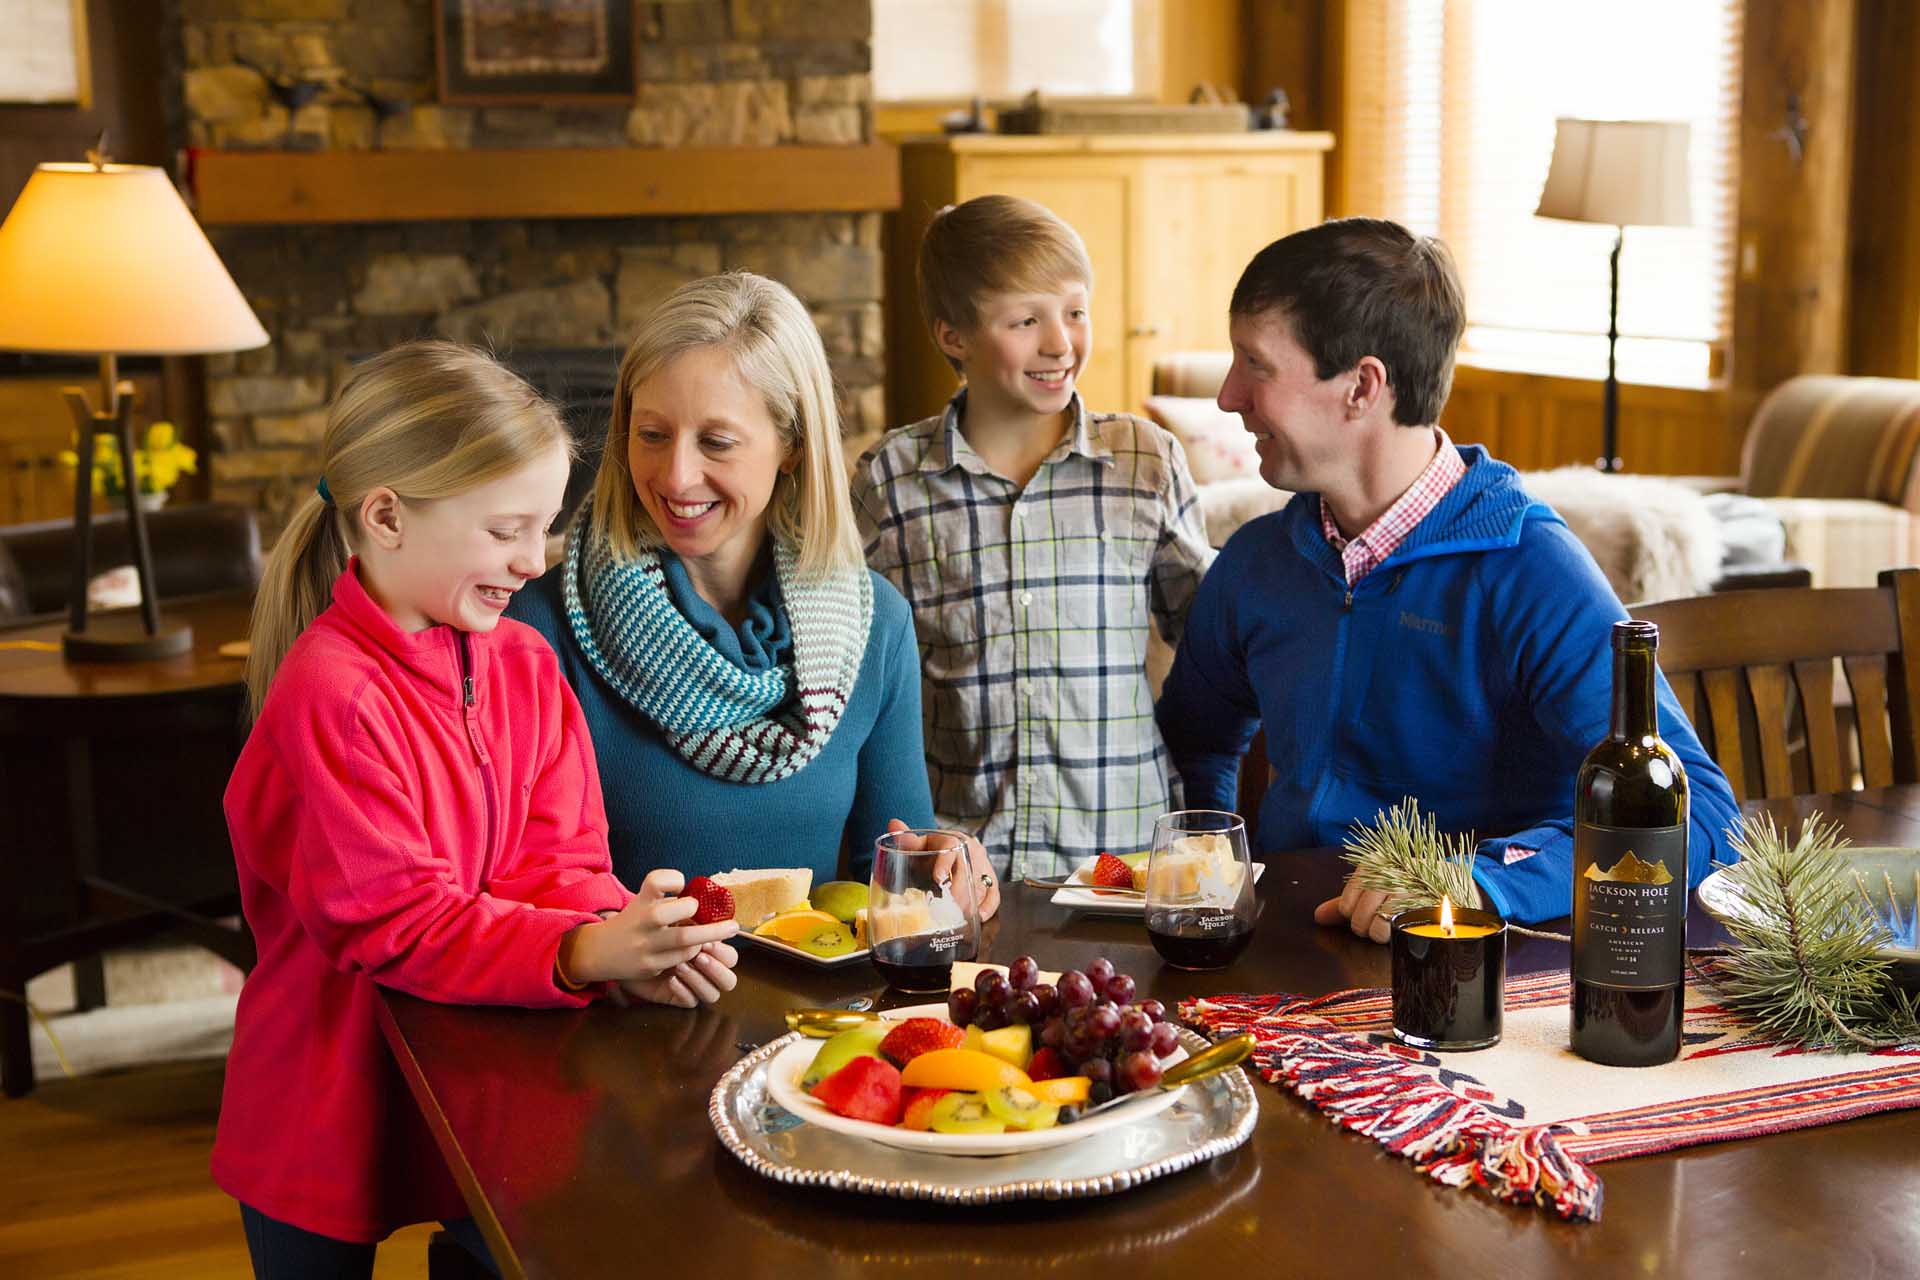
(479, 751)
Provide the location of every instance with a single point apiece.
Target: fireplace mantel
(236, 188)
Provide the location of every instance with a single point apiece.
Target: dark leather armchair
(196, 549)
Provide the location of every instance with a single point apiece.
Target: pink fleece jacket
(417, 810)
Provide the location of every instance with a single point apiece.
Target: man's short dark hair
(1358, 287)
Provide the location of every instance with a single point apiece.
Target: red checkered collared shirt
(1362, 554)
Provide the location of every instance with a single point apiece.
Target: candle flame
(1446, 915)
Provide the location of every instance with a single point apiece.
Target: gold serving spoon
(821, 1024)
(1224, 1056)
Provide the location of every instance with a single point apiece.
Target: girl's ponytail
(297, 585)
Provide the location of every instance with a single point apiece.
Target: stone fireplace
(746, 73)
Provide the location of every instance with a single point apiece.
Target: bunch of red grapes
(1089, 1018)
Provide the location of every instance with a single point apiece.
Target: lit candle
(1449, 976)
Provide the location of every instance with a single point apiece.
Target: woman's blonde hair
(427, 420)
(776, 348)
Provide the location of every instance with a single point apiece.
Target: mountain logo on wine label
(1631, 870)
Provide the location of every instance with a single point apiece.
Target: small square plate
(805, 957)
(1093, 902)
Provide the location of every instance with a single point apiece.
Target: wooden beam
(280, 187)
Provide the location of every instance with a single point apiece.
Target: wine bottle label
(1629, 905)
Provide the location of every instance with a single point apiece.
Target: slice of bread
(760, 894)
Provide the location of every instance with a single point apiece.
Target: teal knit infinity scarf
(736, 725)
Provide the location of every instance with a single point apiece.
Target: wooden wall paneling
(1790, 288)
(1536, 421)
(912, 359)
(1201, 43)
(1884, 225)
(1287, 48)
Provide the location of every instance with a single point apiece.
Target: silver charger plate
(1210, 1118)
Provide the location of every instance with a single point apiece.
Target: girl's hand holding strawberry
(651, 950)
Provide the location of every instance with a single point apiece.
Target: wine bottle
(1630, 875)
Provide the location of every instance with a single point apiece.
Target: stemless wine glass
(922, 914)
(1200, 908)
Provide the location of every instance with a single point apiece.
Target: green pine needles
(1403, 855)
(1804, 965)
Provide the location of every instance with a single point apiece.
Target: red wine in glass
(923, 962)
(1199, 937)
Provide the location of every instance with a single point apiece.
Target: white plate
(805, 957)
(783, 1086)
(1107, 904)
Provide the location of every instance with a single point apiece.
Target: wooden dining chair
(1754, 671)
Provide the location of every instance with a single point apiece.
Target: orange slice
(1062, 1091)
(795, 926)
(967, 1070)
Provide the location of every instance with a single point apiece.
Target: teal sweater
(662, 812)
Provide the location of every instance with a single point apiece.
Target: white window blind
(1468, 93)
(999, 49)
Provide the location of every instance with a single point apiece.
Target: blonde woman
(416, 806)
(753, 691)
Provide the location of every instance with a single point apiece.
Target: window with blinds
(1001, 49)
(1451, 107)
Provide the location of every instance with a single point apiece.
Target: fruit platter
(1024, 1083)
(782, 911)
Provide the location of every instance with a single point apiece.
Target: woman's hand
(986, 885)
(647, 943)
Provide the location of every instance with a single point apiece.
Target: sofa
(1828, 467)
(196, 549)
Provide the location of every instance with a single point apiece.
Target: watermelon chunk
(864, 1089)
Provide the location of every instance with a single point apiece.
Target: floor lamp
(1625, 173)
(104, 260)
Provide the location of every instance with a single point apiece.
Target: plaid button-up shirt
(1362, 554)
(1032, 607)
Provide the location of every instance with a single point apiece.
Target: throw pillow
(1218, 447)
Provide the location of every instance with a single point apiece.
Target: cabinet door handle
(1144, 331)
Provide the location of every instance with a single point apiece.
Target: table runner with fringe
(1526, 1119)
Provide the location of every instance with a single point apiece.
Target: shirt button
(1026, 598)
(1106, 535)
(1019, 513)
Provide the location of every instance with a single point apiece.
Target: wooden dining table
(582, 1142)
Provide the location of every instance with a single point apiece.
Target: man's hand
(973, 864)
(1358, 908)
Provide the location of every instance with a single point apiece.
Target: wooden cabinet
(1169, 219)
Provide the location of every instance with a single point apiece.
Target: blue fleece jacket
(1470, 670)
(662, 812)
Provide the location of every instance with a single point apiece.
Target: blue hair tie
(326, 495)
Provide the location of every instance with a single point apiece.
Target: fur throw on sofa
(1653, 538)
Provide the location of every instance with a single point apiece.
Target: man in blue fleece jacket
(1412, 623)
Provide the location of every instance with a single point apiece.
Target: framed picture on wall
(534, 51)
(43, 56)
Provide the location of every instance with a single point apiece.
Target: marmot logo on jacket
(1432, 626)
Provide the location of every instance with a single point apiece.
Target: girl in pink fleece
(416, 807)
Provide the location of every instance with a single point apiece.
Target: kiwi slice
(963, 1113)
(1020, 1109)
(829, 940)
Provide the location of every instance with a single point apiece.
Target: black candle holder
(1449, 993)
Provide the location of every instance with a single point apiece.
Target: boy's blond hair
(994, 244)
(428, 420)
(776, 348)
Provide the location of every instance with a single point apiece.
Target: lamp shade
(108, 260)
(1628, 173)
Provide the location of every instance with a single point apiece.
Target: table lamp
(1626, 173)
(104, 260)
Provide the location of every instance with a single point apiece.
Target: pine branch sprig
(1403, 854)
(1806, 965)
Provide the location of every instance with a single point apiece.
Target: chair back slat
(1814, 678)
(1867, 677)
(1767, 682)
(1723, 709)
(1763, 662)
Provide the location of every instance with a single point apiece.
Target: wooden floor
(106, 1176)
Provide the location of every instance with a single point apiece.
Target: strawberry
(864, 1089)
(916, 1036)
(716, 900)
(1111, 873)
(918, 1113)
(1047, 1065)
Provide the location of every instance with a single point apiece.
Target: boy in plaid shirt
(1036, 542)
